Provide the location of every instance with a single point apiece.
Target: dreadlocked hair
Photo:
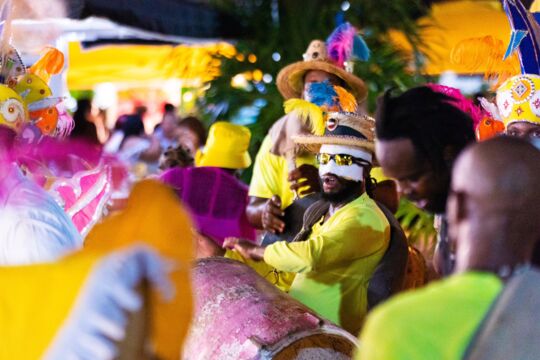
(429, 119)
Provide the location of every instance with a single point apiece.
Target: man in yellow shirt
(493, 215)
(344, 236)
(278, 171)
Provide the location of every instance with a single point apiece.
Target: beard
(347, 190)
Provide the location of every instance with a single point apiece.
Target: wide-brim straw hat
(346, 129)
(290, 80)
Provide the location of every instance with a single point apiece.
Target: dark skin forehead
(399, 158)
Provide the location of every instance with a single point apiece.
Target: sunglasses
(340, 159)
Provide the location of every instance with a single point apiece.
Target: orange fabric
(154, 215)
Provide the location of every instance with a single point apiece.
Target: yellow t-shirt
(334, 265)
(436, 322)
(270, 173)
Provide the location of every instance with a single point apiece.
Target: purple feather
(344, 43)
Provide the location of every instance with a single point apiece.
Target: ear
(461, 206)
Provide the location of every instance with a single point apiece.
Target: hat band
(345, 131)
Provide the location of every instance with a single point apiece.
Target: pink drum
(239, 315)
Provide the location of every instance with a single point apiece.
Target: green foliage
(288, 30)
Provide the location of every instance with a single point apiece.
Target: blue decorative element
(515, 40)
(360, 49)
(321, 93)
(524, 36)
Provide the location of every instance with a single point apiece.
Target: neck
(495, 254)
(334, 206)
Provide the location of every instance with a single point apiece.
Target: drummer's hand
(306, 176)
(272, 214)
(206, 247)
(245, 248)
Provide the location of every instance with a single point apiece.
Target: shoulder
(442, 317)
(363, 211)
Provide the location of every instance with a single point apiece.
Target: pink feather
(461, 102)
(340, 43)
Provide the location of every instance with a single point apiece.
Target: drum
(239, 315)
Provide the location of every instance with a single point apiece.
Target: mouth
(330, 182)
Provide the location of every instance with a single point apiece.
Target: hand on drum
(305, 179)
(271, 216)
(245, 248)
(206, 247)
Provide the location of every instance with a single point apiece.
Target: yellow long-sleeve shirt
(332, 268)
(334, 265)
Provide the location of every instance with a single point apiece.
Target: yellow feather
(486, 53)
(347, 102)
(310, 114)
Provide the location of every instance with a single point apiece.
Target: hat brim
(290, 80)
(240, 161)
(313, 143)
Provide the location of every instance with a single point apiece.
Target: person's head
(518, 102)
(317, 66)
(168, 108)
(191, 133)
(131, 126)
(344, 153)
(419, 135)
(318, 76)
(175, 157)
(169, 124)
(84, 110)
(141, 110)
(343, 171)
(493, 208)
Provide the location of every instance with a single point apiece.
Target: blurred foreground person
(34, 227)
(493, 215)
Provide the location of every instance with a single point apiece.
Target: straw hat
(342, 129)
(226, 147)
(290, 80)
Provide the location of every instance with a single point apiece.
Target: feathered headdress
(345, 44)
(311, 114)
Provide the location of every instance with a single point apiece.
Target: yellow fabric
(452, 22)
(436, 322)
(518, 99)
(282, 280)
(226, 147)
(270, 173)
(335, 264)
(37, 300)
(153, 215)
(378, 174)
(193, 64)
(535, 7)
(13, 111)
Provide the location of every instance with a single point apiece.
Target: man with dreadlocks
(420, 133)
